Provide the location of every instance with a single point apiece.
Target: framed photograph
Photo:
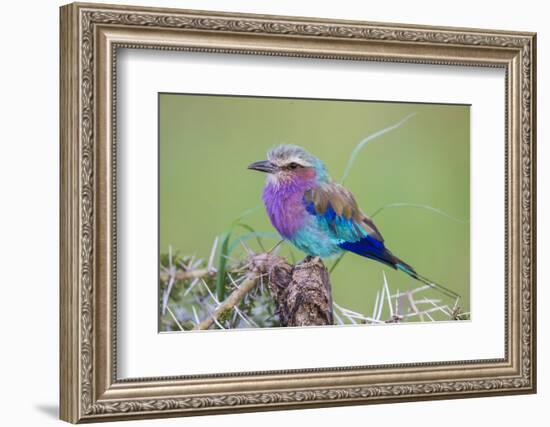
(267, 212)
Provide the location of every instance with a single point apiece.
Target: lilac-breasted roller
(319, 216)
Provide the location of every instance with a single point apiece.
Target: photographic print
(264, 183)
(279, 212)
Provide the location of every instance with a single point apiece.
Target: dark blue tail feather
(375, 250)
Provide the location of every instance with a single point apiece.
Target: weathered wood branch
(186, 275)
(231, 301)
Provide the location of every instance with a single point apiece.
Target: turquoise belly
(315, 239)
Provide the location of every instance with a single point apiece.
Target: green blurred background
(206, 143)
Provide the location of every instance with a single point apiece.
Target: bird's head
(290, 163)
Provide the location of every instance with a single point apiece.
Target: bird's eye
(293, 165)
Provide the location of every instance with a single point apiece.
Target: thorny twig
(250, 303)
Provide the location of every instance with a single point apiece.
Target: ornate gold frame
(90, 36)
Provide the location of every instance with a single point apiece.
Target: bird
(319, 216)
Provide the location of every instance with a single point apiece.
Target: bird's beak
(263, 166)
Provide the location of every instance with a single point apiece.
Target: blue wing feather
(351, 235)
(342, 228)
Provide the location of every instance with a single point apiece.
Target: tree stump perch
(302, 292)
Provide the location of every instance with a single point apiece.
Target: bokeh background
(206, 143)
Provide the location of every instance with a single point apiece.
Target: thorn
(387, 289)
(212, 254)
(247, 249)
(275, 247)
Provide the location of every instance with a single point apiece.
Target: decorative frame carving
(90, 36)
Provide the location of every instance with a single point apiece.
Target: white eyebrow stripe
(298, 160)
